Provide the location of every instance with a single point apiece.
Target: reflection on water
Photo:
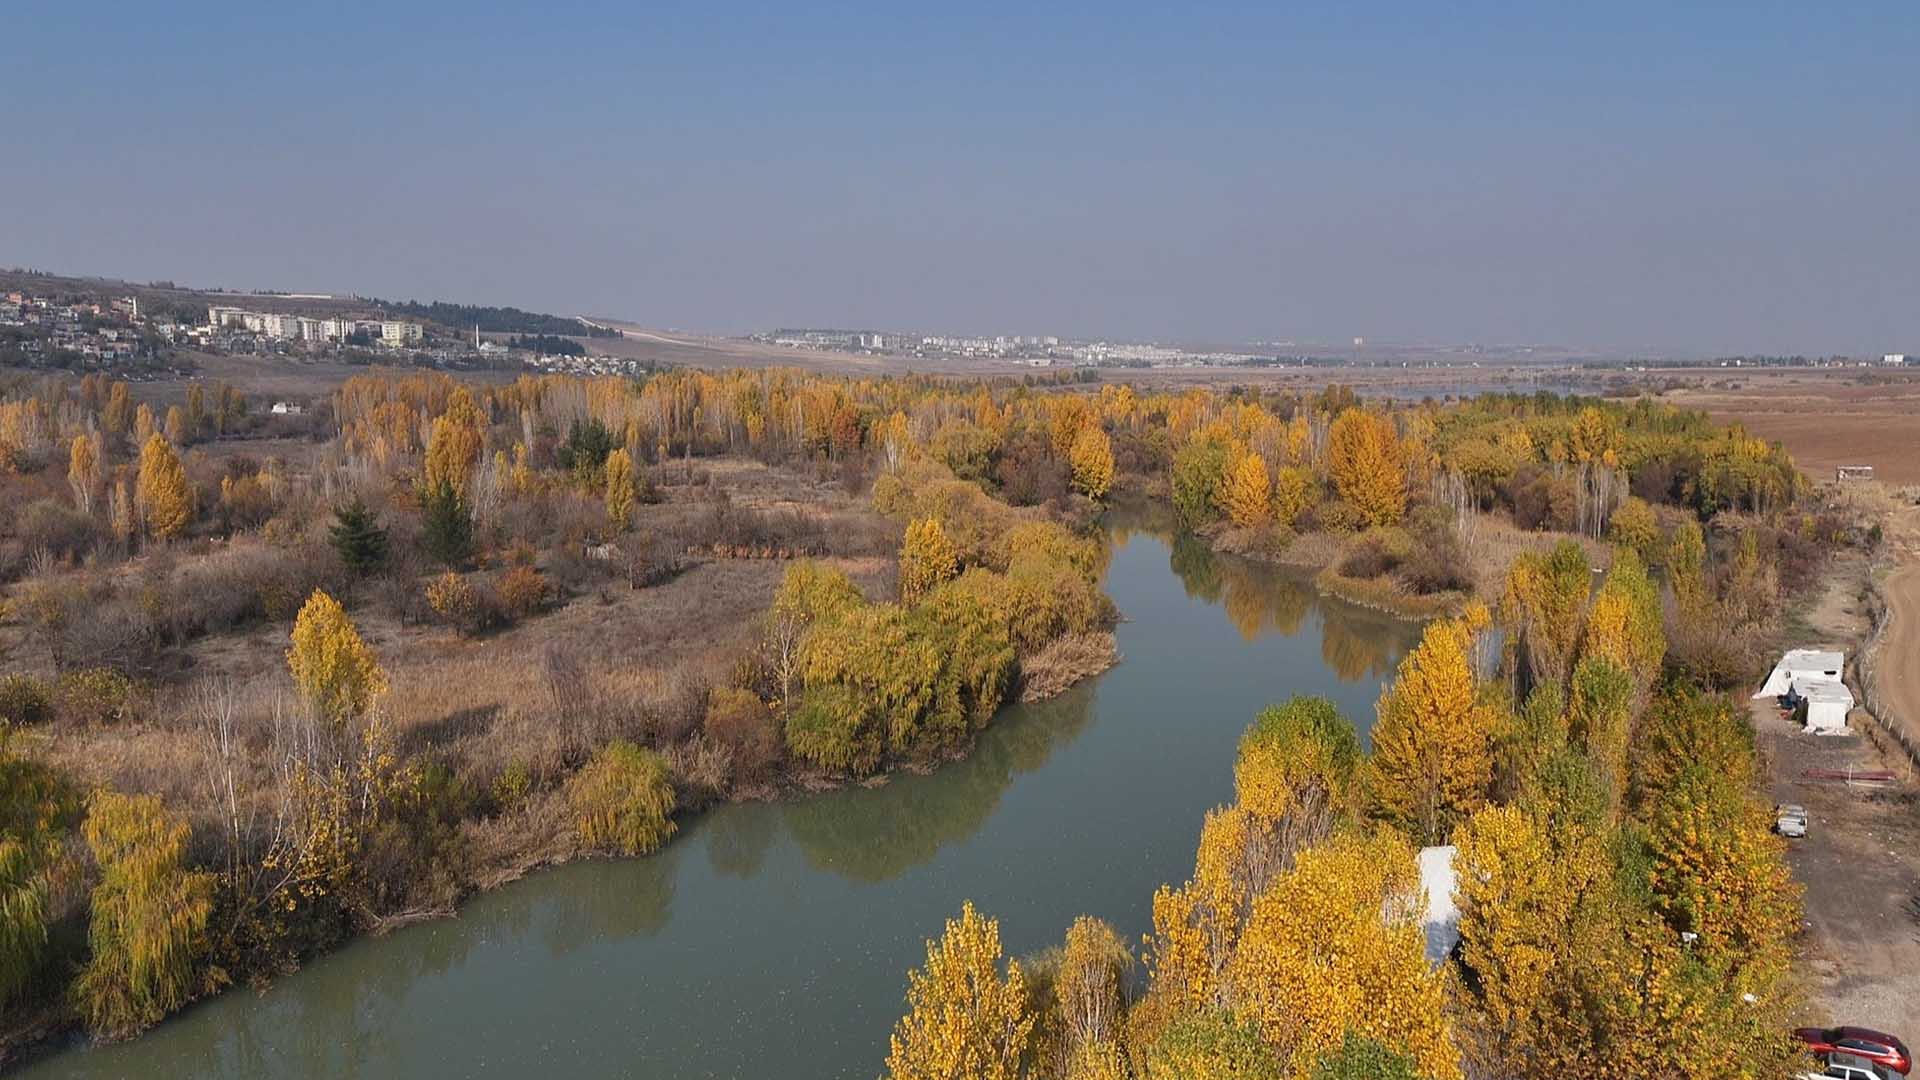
(772, 939)
(873, 834)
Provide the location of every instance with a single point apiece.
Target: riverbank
(772, 938)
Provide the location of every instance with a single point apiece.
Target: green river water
(773, 940)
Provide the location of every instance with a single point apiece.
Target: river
(773, 940)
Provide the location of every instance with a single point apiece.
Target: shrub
(61, 531)
(451, 597)
(96, 696)
(1369, 556)
(740, 721)
(622, 800)
(523, 591)
(24, 700)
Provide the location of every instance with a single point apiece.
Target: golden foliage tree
(149, 918)
(1293, 494)
(1432, 759)
(927, 558)
(1364, 456)
(1542, 609)
(964, 1020)
(163, 494)
(35, 805)
(85, 468)
(622, 799)
(620, 490)
(176, 428)
(1335, 946)
(1091, 459)
(1298, 759)
(1087, 989)
(458, 436)
(1527, 897)
(331, 665)
(1247, 494)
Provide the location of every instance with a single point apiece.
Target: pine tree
(358, 538)
(447, 531)
(163, 494)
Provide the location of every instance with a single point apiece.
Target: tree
(85, 466)
(331, 665)
(963, 1020)
(357, 537)
(1635, 526)
(1361, 1058)
(1087, 985)
(1247, 496)
(1293, 494)
(1199, 468)
(177, 432)
(1528, 893)
(447, 525)
(1364, 456)
(162, 492)
(1091, 458)
(1432, 763)
(620, 490)
(622, 799)
(149, 915)
(1335, 946)
(1299, 758)
(1210, 1044)
(1541, 609)
(458, 436)
(927, 558)
(36, 809)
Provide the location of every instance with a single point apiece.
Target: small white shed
(1810, 680)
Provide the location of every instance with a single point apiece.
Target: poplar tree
(1247, 495)
(331, 665)
(964, 1019)
(162, 492)
(1432, 762)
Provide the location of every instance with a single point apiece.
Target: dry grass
(1066, 661)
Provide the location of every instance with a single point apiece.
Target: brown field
(1824, 418)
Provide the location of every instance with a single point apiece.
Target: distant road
(643, 335)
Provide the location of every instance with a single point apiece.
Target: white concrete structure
(394, 333)
(1441, 920)
(1894, 359)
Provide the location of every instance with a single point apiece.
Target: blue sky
(1698, 177)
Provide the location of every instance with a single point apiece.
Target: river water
(773, 940)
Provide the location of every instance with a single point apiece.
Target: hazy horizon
(1713, 179)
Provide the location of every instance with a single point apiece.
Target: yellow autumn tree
(85, 464)
(1334, 946)
(1247, 494)
(162, 492)
(1529, 899)
(150, 912)
(455, 444)
(1298, 759)
(1087, 985)
(1432, 762)
(1293, 494)
(927, 558)
(331, 665)
(176, 429)
(1091, 458)
(620, 490)
(964, 1020)
(1363, 453)
(623, 799)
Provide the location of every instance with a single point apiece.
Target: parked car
(1877, 1047)
(1790, 819)
(1843, 1066)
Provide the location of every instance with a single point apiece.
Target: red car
(1876, 1046)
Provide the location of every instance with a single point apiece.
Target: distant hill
(166, 297)
(493, 320)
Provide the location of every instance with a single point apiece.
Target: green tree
(1361, 1058)
(447, 528)
(357, 537)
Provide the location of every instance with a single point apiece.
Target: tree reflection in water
(872, 834)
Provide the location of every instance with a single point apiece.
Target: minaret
(476, 337)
